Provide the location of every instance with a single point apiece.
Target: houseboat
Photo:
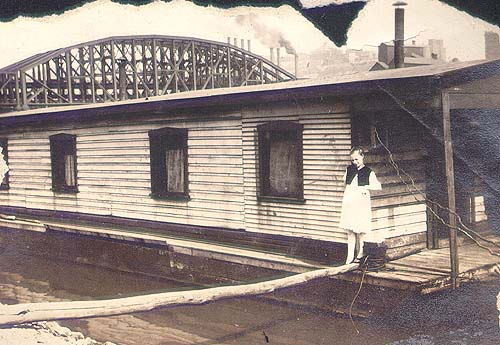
(255, 165)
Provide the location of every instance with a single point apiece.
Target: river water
(466, 316)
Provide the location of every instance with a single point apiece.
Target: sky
(265, 27)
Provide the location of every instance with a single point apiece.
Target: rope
(463, 228)
(363, 269)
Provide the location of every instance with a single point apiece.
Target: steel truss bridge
(120, 68)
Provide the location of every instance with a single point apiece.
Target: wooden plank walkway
(424, 272)
(429, 270)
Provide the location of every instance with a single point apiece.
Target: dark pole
(399, 34)
(450, 181)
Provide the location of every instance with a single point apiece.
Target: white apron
(356, 213)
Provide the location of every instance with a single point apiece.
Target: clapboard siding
(114, 171)
(399, 208)
(326, 145)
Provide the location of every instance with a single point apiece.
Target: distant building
(491, 45)
(415, 55)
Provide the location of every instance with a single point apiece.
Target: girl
(356, 214)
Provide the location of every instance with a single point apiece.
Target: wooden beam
(450, 182)
(33, 312)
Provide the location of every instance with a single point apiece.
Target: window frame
(60, 144)
(294, 129)
(160, 140)
(4, 184)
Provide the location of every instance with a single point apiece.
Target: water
(466, 316)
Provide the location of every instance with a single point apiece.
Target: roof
(355, 83)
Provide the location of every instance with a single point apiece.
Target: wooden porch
(429, 270)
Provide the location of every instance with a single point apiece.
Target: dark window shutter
(168, 162)
(280, 159)
(63, 161)
(157, 161)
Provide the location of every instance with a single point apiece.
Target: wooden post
(450, 182)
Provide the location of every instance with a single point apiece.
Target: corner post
(450, 182)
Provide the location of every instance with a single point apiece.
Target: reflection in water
(468, 316)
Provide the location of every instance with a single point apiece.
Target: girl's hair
(357, 149)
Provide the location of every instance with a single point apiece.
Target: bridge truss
(120, 68)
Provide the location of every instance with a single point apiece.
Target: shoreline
(44, 333)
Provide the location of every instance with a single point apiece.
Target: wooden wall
(399, 210)
(114, 172)
(326, 145)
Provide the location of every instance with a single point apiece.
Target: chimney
(122, 79)
(271, 54)
(229, 40)
(235, 42)
(491, 45)
(399, 37)
(242, 43)
(248, 46)
(278, 56)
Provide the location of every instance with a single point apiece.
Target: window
(63, 157)
(395, 130)
(168, 159)
(280, 160)
(4, 164)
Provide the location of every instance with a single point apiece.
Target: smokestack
(296, 58)
(229, 40)
(242, 43)
(248, 46)
(271, 54)
(278, 56)
(235, 42)
(122, 79)
(399, 37)
(491, 45)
